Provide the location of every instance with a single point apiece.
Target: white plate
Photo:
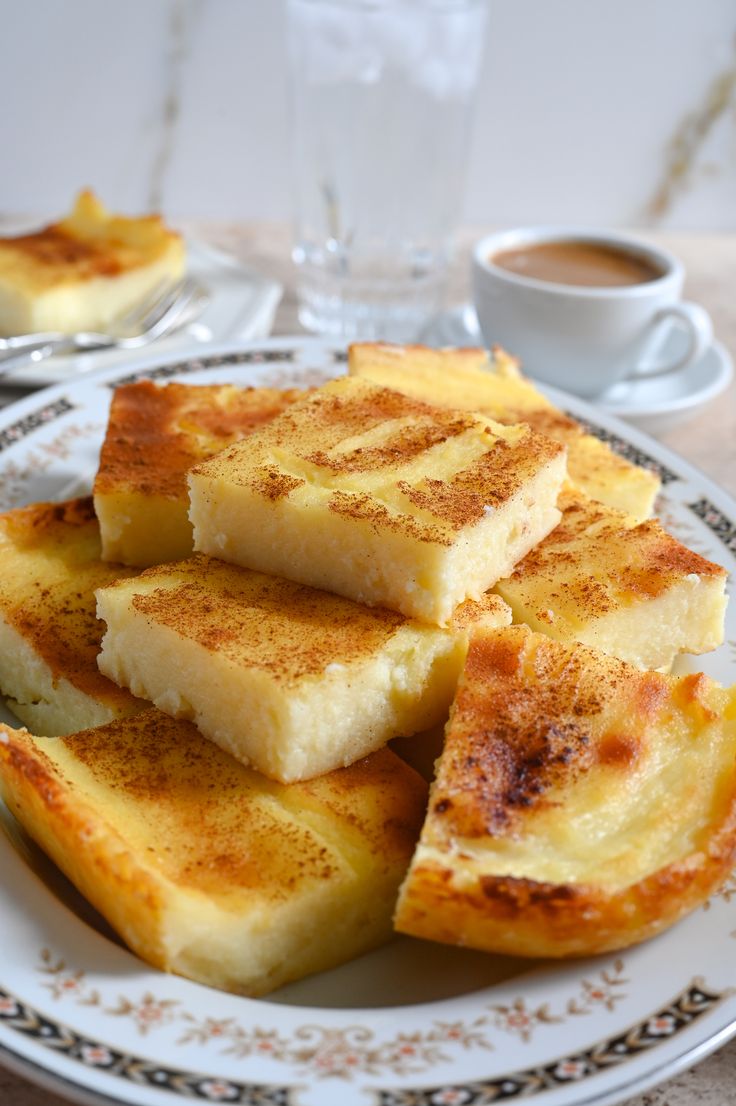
(414, 1024)
(242, 306)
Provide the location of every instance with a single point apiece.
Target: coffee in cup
(582, 264)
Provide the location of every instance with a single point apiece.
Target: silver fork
(169, 306)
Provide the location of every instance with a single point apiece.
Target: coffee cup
(585, 309)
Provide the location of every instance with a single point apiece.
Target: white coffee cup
(586, 338)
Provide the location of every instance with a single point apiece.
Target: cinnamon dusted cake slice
(580, 804)
(49, 632)
(204, 867)
(380, 497)
(85, 271)
(290, 679)
(629, 589)
(472, 380)
(154, 434)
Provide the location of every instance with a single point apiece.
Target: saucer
(655, 406)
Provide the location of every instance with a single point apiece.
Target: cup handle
(697, 323)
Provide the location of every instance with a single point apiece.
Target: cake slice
(580, 804)
(627, 588)
(471, 380)
(155, 433)
(290, 679)
(85, 271)
(205, 868)
(49, 633)
(369, 493)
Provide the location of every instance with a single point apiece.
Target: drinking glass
(381, 92)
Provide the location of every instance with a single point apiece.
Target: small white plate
(412, 1024)
(655, 406)
(242, 306)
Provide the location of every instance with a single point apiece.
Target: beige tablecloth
(708, 441)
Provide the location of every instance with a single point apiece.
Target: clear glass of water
(381, 92)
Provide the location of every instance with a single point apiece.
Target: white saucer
(655, 406)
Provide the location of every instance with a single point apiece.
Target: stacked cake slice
(203, 866)
(154, 435)
(366, 492)
(470, 380)
(49, 631)
(580, 804)
(629, 589)
(293, 680)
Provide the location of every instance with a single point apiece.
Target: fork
(167, 307)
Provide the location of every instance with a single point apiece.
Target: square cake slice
(627, 588)
(49, 632)
(371, 494)
(155, 433)
(85, 271)
(290, 679)
(204, 867)
(580, 805)
(470, 379)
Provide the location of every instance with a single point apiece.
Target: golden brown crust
(51, 566)
(158, 765)
(561, 822)
(89, 243)
(53, 248)
(68, 830)
(31, 526)
(522, 917)
(156, 432)
(505, 758)
(151, 822)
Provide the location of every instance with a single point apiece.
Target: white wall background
(588, 109)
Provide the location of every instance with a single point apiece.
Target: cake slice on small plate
(293, 680)
(580, 804)
(380, 497)
(204, 867)
(85, 271)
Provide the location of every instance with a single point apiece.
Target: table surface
(708, 441)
